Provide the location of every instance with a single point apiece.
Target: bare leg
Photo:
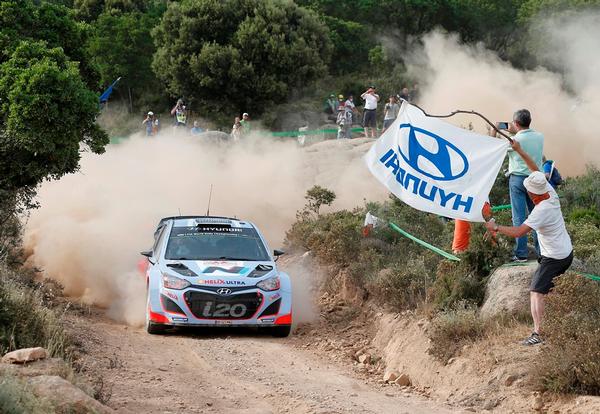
(537, 309)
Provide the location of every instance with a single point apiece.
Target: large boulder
(507, 290)
(47, 366)
(21, 356)
(65, 397)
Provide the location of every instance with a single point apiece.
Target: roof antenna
(178, 209)
(209, 198)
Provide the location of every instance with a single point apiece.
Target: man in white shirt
(370, 111)
(555, 244)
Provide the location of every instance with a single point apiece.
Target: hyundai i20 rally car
(215, 271)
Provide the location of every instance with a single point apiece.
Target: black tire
(281, 331)
(155, 328)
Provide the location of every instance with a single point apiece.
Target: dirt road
(225, 372)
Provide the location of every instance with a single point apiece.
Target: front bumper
(199, 306)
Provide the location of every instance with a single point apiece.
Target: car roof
(183, 221)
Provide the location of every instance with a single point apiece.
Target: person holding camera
(370, 111)
(532, 143)
(390, 112)
(179, 111)
(148, 122)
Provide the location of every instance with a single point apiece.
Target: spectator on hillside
(390, 112)
(344, 122)
(414, 93)
(551, 172)
(245, 122)
(532, 143)
(555, 244)
(370, 111)
(236, 131)
(462, 230)
(331, 106)
(351, 114)
(155, 126)
(405, 94)
(148, 122)
(196, 130)
(179, 111)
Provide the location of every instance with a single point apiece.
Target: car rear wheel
(281, 331)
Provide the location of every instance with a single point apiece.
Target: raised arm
(528, 160)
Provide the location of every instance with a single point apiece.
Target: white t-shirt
(547, 220)
(370, 100)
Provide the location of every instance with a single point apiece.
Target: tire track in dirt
(223, 371)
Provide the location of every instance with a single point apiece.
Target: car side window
(158, 242)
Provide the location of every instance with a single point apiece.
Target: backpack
(554, 177)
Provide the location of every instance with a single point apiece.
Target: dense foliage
(226, 57)
(238, 54)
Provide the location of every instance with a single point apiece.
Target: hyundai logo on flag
(432, 155)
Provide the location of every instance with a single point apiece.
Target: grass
(17, 398)
(25, 320)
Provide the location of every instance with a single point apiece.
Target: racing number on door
(223, 310)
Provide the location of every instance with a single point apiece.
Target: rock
(64, 396)
(390, 376)
(507, 290)
(48, 366)
(510, 380)
(403, 380)
(20, 356)
(538, 403)
(364, 359)
(491, 404)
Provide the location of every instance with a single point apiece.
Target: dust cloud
(92, 225)
(565, 106)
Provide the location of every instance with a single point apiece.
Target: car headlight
(172, 282)
(272, 283)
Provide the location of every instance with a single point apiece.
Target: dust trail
(459, 76)
(92, 225)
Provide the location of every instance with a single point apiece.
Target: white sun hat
(536, 183)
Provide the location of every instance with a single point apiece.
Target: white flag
(435, 166)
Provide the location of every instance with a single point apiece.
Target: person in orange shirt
(462, 231)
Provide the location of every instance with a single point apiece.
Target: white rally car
(214, 271)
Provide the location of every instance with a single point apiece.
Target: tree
(238, 55)
(530, 9)
(46, 115)
(121, 45)
(351, 44)
(53, 23)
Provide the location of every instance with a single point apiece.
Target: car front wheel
(281, 331)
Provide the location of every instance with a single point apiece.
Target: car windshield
(215, 242)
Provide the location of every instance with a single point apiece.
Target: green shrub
(25, 321)
(466, 280)
(570, 360)
(402, 285)
(450, 330)
(585, 236)
(582, 192)
(17, 398)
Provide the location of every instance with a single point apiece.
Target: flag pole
(460, 111)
